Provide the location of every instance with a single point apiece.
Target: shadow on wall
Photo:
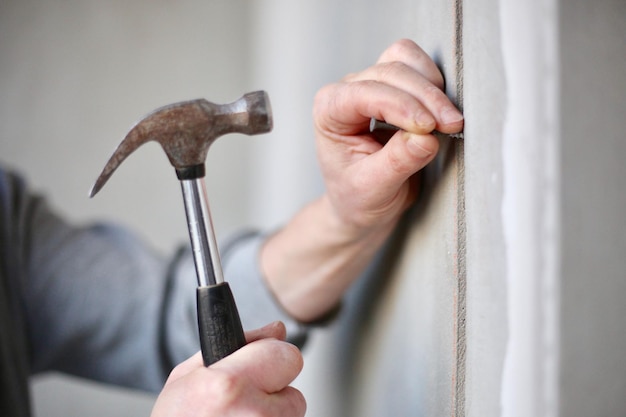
(362, 302)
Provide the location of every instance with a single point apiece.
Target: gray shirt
(96, 302)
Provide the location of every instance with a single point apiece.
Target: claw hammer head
(187, 129)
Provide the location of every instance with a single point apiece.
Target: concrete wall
(593, 202)
(502, 293)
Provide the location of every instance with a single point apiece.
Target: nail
(377, 125)
(424, 119)
(416, 142)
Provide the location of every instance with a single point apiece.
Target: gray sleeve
(101, 304)
(257, 305)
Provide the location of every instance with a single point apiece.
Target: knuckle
(175, 374)
(287, 354)
(293, 354)
(436, 97)
(321, 97)
(402, 46)
(324, 101)
(389, 70)
(434, 93)
(223, 388)
(350, 76)
(406, 50)
(398, 48)
(298, 403)
(397, 160)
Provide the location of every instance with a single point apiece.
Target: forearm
(311, 262)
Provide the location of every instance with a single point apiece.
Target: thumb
(402, 156)
(274, 330)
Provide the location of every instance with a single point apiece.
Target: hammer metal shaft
(201, 233)
(219, 324)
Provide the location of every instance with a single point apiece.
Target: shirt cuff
(256, 304)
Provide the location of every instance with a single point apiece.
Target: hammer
(185, 131)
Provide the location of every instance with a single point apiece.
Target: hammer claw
(125, 148)
(187, 129)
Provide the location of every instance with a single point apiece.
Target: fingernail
(416, 144)
(451, 115)
(272, 325)
(424, 120)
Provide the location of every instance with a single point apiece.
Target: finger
(409, 53)
(274, 330)
(347, 108)
(288, 402)
(401, 76)
(404, 155)
(185, 367)
(269, 364)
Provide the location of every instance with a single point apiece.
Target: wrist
(310, 263)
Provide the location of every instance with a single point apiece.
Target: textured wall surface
(485, 103)
(593, 263)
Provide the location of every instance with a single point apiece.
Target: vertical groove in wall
(461, 342)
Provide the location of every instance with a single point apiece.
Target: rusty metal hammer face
(186, 131)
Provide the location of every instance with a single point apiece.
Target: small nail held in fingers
(379, 125)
